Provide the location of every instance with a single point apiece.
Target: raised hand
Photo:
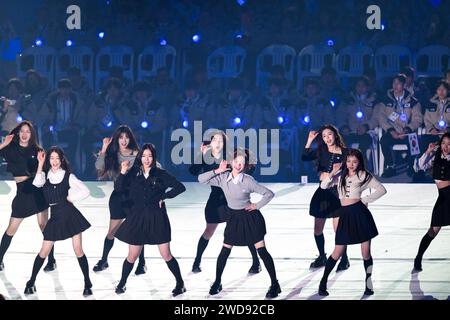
(124, 166)
(8, 139)
(222, 167)
(431, 147)
(41, 157)
(312, 135)
(204, 148)
(106, 142)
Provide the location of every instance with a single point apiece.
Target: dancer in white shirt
(61, 188)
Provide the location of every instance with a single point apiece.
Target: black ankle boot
(141, 269)
(215, 288)
(255, 268)
(120, 290)
(196, 268)
(30, 288)
(323, 289)
(344, 264)
(87, 289)
(319, 262)
(368, 292)
(274, 291)
(100, 266)
(51, 266)
(179, 289)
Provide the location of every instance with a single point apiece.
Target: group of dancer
(138, 214)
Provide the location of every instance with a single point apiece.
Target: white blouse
(78, 190)
(354, 189)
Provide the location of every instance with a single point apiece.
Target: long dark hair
(33, 139)
(360, 169)
(111, 158)
(138, 162)
(224, 138)
(62, 157)
(338, 140)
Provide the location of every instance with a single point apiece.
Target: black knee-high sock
(254, 255)
(320, 243)
(4, 245)
(328, 268)
(201, 246)
(426, 240)
(175, 269)
(268, 263)
(141, 258)
(368, 266)
(84, 265)
(37, 265)
(126, 269)
(107, 245)
(51, 255)
(221, 262)
(344, 254)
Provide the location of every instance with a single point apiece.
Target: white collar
(445, 157)
(239, 178)
(59, 172)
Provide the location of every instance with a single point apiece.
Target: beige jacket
(398, 115)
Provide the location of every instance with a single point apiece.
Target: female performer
(61, 188)
(147, 222)
(20, 150)
(325, 202)
(122, 147)
(245, 225)
(216, 207)
(356, 224)
(437, 158)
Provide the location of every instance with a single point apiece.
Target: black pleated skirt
(119, 207)
(244, 228)
(149, 225)
(441, 210)
(65, 222)
(216, 210)
(28, 201)
(356, 225)
(325, 203)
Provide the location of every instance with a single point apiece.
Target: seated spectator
(398, 114)
(357, 118)
(237, 108)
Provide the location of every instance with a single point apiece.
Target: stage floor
(402, 217)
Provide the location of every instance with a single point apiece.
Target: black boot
(87, 289)
(141, 268)
(100, 266)
(319, 262)
(215, 288)
(274, 291)
(254, 269)
(344, 264)
(256, 266)
(330, 263)
(51, 262)
(323, 288)
(30, 288)
(179, 289)
(2, 266)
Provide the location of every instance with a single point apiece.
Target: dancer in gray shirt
(246, 225)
